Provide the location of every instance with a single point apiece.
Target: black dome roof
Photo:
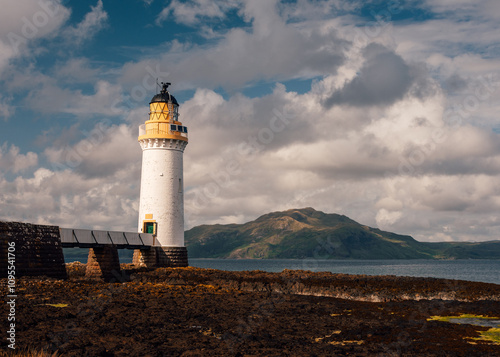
(164, 96)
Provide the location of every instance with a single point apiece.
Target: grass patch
(492, 335)
(463, 316)
(28, 353)
(57, 305)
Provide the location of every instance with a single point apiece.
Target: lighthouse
(163, 139)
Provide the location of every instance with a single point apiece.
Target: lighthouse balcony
(168, 131)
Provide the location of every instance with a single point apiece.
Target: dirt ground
(200, 312)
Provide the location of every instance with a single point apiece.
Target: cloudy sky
(386, 112)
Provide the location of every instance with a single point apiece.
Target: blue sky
(386, 112)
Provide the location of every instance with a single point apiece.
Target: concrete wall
(38, 250)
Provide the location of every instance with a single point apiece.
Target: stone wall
(145, 258)
(172, 257)
(161, 257)
(103, 263)
(38, 250)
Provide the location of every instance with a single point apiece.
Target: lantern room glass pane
(176, 112)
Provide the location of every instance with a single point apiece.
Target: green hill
(307, 233)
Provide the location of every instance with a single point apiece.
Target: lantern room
(163, 120)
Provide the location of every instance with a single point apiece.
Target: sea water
(483, 270)
(487, 271)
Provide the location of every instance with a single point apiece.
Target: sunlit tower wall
(163, 139)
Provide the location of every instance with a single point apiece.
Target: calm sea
(487, 271)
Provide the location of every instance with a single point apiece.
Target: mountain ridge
(308, 233)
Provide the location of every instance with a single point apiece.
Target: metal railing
(158, 131)
(84, 238)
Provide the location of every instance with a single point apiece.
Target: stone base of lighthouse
(103, 264)
(145, 258)
(174, 257)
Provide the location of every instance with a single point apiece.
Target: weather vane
(164, 85)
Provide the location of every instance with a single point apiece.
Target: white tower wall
(163, 139)
(162, 198)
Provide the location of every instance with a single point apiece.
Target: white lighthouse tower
(163, 139)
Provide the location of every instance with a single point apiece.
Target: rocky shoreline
(205, 312)
(344, 286)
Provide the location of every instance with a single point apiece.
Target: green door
(150, 227)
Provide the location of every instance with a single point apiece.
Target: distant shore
(205, 312)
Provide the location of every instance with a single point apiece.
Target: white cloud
(31, 19)
(272, 50)
(50, 98)
(12, 160)
(22, 23)
(94, 183)
(461, 207)
(6, 53)
(6, 110)
(68, 199)
(383, 79)
(192, 11)
(304, 10)
(483, 10)
(318, 159)
(76, 70)
(105, 150)
(387, 218)
(55, 92)
(93, 22)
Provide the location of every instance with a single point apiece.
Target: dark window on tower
(149, 227)
(173, 127)
(185, 129)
